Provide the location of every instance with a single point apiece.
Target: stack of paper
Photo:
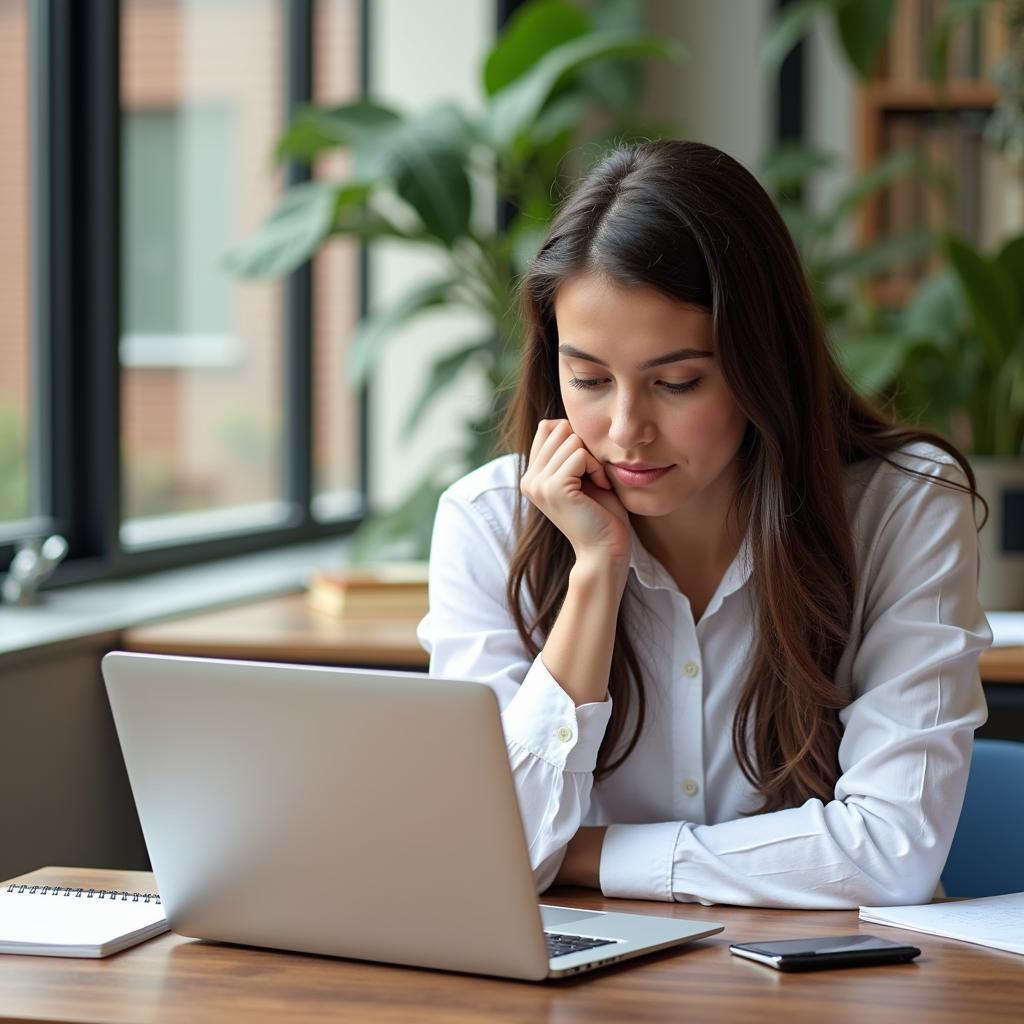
(1007, 628)
(996, 921)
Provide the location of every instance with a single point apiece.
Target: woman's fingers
(570, 447)
(567, 483)
(597, 473)
(542, 433)
(557, 436)
(554, 444)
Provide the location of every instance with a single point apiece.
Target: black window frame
(76, 310)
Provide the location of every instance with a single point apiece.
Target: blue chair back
(987, 856)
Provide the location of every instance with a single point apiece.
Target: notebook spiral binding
(89, 894)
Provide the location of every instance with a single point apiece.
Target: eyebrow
(671, 357)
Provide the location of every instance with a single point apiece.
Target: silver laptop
(346, 812)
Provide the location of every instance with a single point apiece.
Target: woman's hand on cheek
(569, 485)
(596, 472)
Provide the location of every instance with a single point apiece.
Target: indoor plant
(557, 80)
(955, 362)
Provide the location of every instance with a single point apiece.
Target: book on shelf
(48, 920)
(902, 49)
(902, 211)
(995, 38)
(388, 588)
(975, 42)
(986, 187)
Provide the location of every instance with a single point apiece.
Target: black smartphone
(828, 951)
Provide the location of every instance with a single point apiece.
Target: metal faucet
(34, 561)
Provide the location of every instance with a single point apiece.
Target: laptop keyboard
(560, 944)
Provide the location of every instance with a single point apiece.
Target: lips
(638, 474)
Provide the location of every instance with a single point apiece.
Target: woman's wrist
(600, 571)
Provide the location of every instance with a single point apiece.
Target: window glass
(16, 398)
(335, 282)
(201, 352)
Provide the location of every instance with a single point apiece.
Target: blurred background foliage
(559, 87)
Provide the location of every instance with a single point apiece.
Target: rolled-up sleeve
(904, 754)
(469, 633)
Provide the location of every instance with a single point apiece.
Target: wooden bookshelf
(900, 108)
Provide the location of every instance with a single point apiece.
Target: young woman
(729, 610)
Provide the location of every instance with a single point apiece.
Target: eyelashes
(585, 384)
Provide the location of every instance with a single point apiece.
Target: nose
(631, 426)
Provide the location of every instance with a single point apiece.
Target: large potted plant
(953, 357)
(560, 79)
(955, 362)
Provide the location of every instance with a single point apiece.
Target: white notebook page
(75, 925)
(996, 921)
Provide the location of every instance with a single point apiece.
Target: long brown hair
(688, 220)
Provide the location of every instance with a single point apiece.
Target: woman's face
(641, 386)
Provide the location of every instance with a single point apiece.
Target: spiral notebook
(46, 920)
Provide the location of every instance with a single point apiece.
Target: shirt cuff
(637, 860)
(543, 719)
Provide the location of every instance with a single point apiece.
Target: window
(155, 409)
(202, 385)
(336, 410)
(17, 402)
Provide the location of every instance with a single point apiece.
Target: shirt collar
(652, 574)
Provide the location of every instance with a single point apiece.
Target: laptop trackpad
(558, 917)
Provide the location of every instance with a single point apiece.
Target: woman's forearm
(578, 651)
(582, 862)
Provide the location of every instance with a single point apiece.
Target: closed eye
(595, 382)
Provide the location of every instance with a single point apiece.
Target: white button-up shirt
(678, 809)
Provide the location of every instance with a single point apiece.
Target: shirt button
(691, 668)
(690, 787)
(564, 733)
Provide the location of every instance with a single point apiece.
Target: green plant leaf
(443, 373)
(368, 224)
(412, 521)
(531, 32)
(934, 385)
(425, 158)
(790, 165)
(617, 14)
(616, 84)
(990, 294)
(936, 311)
(786, 28)
(525, 241)
(1011, 258)
(863, 29)
(892, 167)
(561, 114)
(889, 253)
(514, 108)
(801, 223)
(378, 328)
(291, 234)
(314, 130)
(952, 13)
(871, 363)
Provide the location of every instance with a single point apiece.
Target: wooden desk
(171, 979)
(287, 629)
